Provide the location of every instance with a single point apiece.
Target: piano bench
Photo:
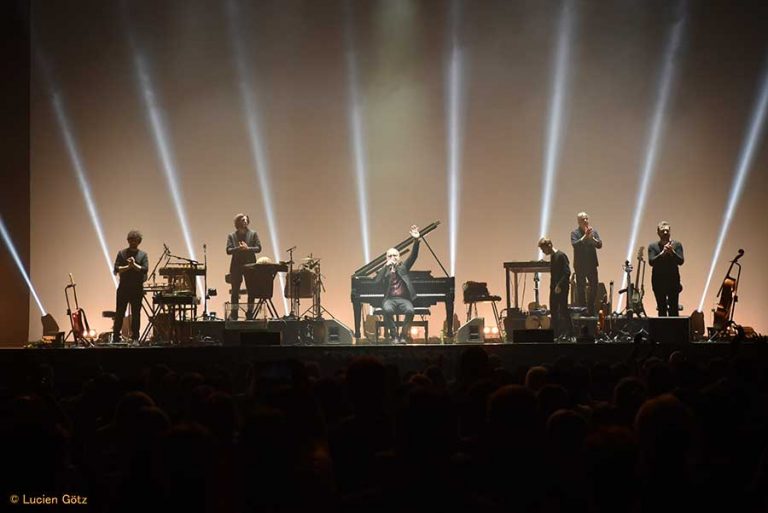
(417, 312)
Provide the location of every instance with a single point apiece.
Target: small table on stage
(263, 278)
(517, 268)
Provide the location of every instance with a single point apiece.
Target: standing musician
(666, 257)
(558, 288)
(131, 264)
(242, 244)
(399, 291)
(585, 241)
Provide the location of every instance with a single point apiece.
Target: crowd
(642, 435)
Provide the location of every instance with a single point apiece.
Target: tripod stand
(317, 309)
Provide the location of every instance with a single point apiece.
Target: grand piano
(430, 290)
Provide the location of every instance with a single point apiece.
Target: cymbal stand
(317, 308)
(206, 294)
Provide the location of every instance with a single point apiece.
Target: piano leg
(449, 313)
(357, 308)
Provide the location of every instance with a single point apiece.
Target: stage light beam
(746, 156)
(76, 160)
(666, 76)
(556, 112)
(15, 255)
(255, 138)
(162, 141)
(355, 121)
(454, 129)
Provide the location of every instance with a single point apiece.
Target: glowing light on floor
(747, 154)
(671, 54)
(77, 162)
(355, 120)
(556, 112)
(454, 129)
(12, 250)
(162, 143)
(247, 86)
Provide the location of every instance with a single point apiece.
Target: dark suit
(558, 302)
(401, 304)
(585, 266)
(666, 277)
(239, 259)
(130, 291)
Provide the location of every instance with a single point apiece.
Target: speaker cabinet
(670, 330)
(471, 332)
(336, 333)
(533, 336)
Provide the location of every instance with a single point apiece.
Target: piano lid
(374, 265)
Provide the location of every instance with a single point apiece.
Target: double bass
(727, 297)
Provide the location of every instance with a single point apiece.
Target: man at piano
(585, 241)
(398, 288)
(558, 288)
(131, 264)
(242, 244)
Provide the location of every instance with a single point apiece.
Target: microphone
(290, 249)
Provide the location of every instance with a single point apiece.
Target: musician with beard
(399, 291)
(242, 244)
(665, 256)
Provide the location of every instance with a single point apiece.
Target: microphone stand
(206, 315)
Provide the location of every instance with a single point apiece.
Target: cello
(727, 297)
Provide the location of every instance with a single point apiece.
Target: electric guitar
(638, 291)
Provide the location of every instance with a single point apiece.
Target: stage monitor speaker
(514, 320)
(259, 338)
(210, 331)
(471, 332)
(336, 333)
(533, 336)
(248, 333)
(670, 330)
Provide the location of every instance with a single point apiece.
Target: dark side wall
(14, 168)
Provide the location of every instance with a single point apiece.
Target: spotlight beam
(746, 156)
(255, 137)
(666, 76)
(12, 250)
(555, 122)
(355, 121)
(455, 119)
(76, 160)
(161, 139)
